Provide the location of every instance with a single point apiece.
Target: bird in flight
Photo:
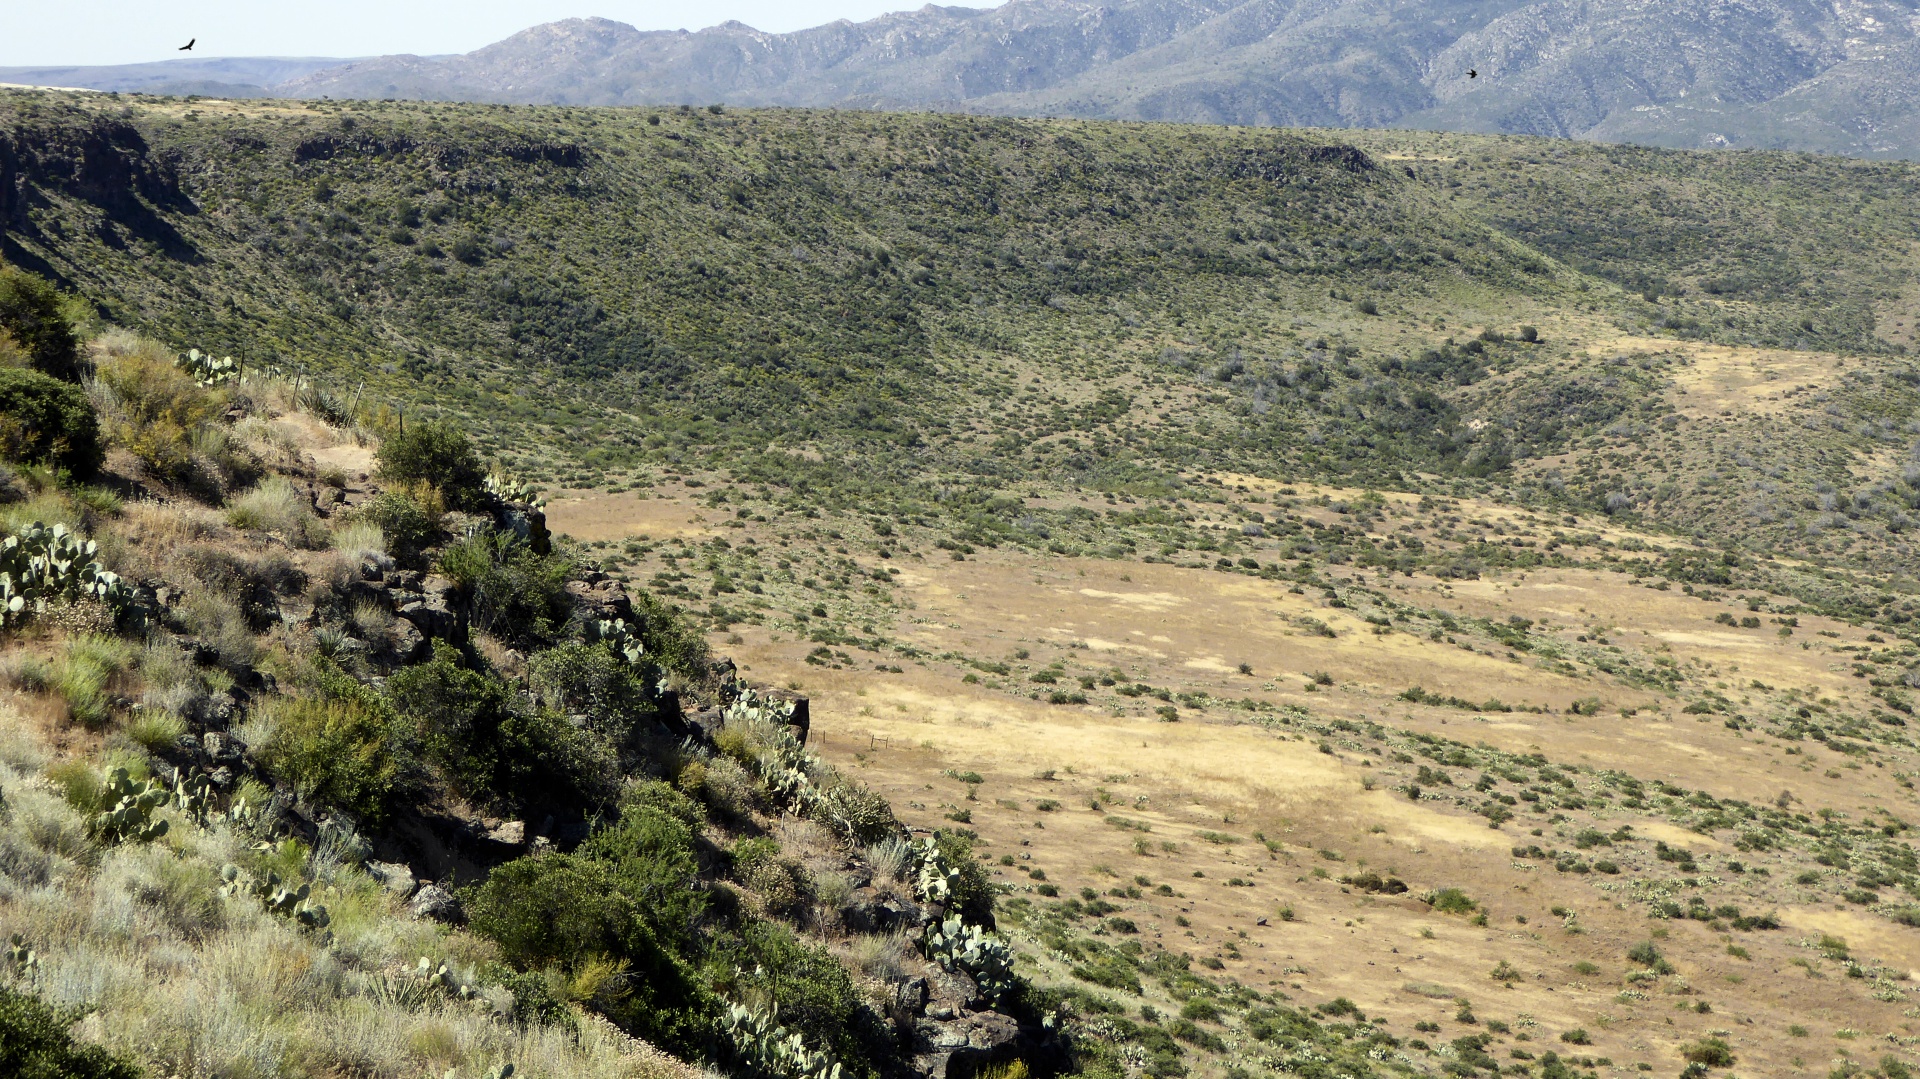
(188, 47)
(1471, 73)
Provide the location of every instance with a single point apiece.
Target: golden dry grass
(1188, 629)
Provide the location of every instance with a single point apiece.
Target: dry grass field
(1225, 833)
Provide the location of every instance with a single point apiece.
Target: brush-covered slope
(688, 287)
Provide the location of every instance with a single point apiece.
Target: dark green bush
(30, 313)
(671, 640)
(558, 910)
(534, 1001)
(973, 893)
(408, 527)
(509, 589)
(439, 453)
(809, 986)
(350, 753)
(589, 680)
(650, 852)
(489, 746)
(45, 419)
(36, 1043)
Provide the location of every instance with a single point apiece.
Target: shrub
(45, 419)
(509, 589)
(1712, 1052)
(439, 453)
(30, 313)
(154, 409)
(559, 910)
(671, 640)
(588, 679)
(407, 526)
(36, 1042)
(277, 506)
(489, 747)
(83, 673)
(1453, 901)
(349, 753)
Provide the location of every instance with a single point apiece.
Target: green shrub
(45, 419)
(490, 747)
(407, 526)
(348, 753)
(36, 1042)
(507, 588)
(155, 410)
(31, 313)
(439, 453)
(589, 680)
(560, 910)
(1712, 1052)
(1453, 901)
(671, 640)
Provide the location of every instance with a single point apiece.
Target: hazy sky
(134, 31)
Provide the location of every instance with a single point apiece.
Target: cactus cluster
(44, 562)
(193, 797)
(129, 812)
(208, 371)
(956, 945)
(620, 638)
(769, 1049)
(935, 879)
(508, 489)
(24, 961)
(275, 897)
(441, 978)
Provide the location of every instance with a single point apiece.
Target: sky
(137, 31)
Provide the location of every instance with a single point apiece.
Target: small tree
(30, 313)
(439, 453)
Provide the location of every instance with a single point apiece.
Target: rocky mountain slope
(1771, 73)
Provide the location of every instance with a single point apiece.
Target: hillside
(1351, 602)
(1787, 74)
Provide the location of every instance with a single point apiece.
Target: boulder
(395, 877)
(430, 615)
(600, 596)
(436, 903)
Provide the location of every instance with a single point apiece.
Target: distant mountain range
(1840, 76)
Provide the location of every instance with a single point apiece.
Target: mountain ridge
(1770, 74)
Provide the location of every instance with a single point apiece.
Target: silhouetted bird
(1262, 921)
(1472, 74)
(188, 47)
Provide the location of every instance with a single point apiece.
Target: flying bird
(188, 47)
(1471, 73)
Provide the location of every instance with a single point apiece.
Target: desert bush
(45, 419)
(439, 453)
(36, 1042)
(276, 505)
(152, 408)
(31, 314)
(507, 588)
(217, 620)
(589, 680)
(670, 639)
(555, 911)
(84, 672)
(348, 753)
(489, 746)
(409, 527)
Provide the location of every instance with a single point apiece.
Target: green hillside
(688, 289)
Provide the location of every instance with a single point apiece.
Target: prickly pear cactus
(769, 1049)
(194, 798)
(957, 946)
(935, 879)
(24, 960)
(507, 489)
(619, 638)
(129, 815)
(42, 562)
(208, 371)
(275, 897)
